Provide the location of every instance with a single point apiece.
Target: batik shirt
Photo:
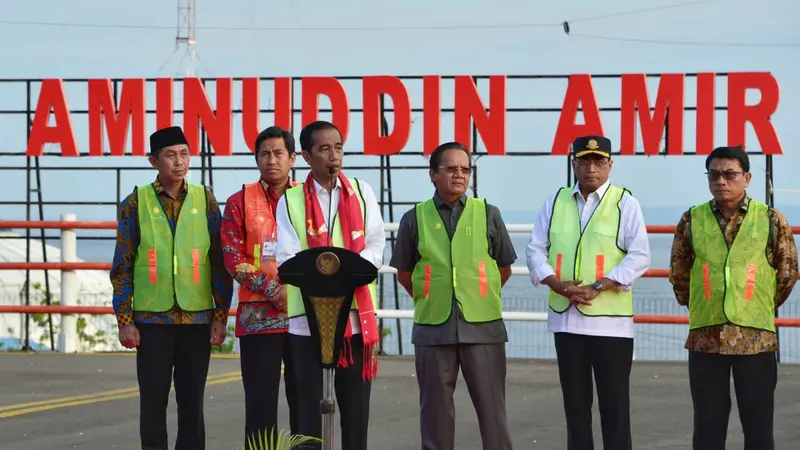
(128, 237)
(729, 339)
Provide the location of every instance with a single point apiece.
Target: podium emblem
(327, 263)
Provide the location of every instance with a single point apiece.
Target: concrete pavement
(56, 402)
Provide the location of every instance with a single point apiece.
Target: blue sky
(313, 37)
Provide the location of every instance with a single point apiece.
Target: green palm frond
(282, 440)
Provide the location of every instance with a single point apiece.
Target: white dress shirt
(632, 238)
(288, 243)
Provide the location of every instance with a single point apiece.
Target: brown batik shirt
(729, 339)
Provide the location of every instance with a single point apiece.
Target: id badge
(270, 248)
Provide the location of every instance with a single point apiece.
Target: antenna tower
(185, 35)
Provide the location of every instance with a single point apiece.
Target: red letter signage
(102, 109)
(111, 121)
(396, 139)
(313, 87)
(218, 122)
(579, 93)
(164, 108)
(491, 125)
(706, 106)
(758, 115)
(431, 113)
(250, 108)
(635, 98)
(51, 98)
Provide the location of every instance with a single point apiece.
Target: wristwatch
(598, 285)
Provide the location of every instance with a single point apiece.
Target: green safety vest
(296, 207)
(460, 267)
(172, 267)
(589, 255)
(735, 285)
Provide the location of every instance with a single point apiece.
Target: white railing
(523, 316)
(67, 339)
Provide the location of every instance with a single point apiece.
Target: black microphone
(330, 206)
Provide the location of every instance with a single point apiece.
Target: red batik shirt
(255, 315)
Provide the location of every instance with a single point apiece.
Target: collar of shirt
(318, 187)
(439, 202)
(743, 205)
(598, 194)
(160, 189)
(271, 194)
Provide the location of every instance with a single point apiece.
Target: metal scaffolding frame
(34, 203)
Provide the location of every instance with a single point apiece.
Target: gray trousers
(484, 369)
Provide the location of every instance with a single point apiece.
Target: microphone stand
(327, 405)
(330, 204)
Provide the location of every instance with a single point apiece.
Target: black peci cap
(166, 137)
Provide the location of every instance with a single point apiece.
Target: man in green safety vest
(171, 291)
(453, 255)
(734, 262)
(588, 245)
(303, 222)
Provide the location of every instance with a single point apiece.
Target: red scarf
(351, 221)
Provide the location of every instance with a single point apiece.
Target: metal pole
(186, 33)
(210, 164)
(47, 294)
(386, 171)
(474, 150)
(27, 345)
(382, 284)
(569, 170)
(67, 338)
(328, 410)
(770, 198)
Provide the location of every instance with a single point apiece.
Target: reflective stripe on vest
(172, 267)
(735, 285)
(462, 267)
(259, 228)
(589, 255)
(296, 208)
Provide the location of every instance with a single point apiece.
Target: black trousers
(754, 378)
(261, 358)
(167, 354)
(610, 359)
(352, 394)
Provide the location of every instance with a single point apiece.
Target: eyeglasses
(729, 175)
(583, 163)
(452, 170)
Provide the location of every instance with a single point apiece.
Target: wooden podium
(327, 278)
